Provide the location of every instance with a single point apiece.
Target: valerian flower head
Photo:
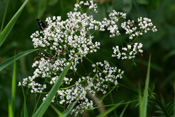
(64, 40)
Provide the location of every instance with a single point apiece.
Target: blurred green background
(161, 46)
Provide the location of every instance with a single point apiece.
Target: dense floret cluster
(64, 40)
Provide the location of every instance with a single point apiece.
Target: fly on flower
(41, 24)
(46, 56)
(36, 58)
(80, 101)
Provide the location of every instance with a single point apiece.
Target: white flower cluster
(77, 92)
(96, 84)
(144, 25)
(111, 23)
(128, 52)
(90, 4)
(73, 38)
(105, 75)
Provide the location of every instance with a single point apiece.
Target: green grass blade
(25, 112)
(9, 26)
(112, 99)
(43, 107)
(68, 110)
(14, 85)
(110, 110)
(4, 16)
(10, 110)
(144, 101)
(123, 111)
(57, 111)
(18, 56)
(140, 101)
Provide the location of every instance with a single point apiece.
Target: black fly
(41, 24)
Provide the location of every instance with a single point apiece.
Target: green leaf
(127, 5)
(123, 111)
(57, 111)
(4, 16)
(10, 110)
(9, 26)
(24, 105)
(18, 56)
(68, 110)
(144, 100)
(14, 85)
(43, 107)
(110, 110)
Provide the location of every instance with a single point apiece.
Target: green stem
(4, 16)
(112, 99)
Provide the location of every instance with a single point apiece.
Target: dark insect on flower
(78, 103)
(131, 23)
(62, 51)
(46, 56)
(41, 24)
(36, 58)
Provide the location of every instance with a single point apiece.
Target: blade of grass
(18, 56)
(110, 110)
(123, 111)
(24, 105)
(112, 100)
(144, 101)
(57, 111)
(4, 16)
(140, 101)
(9, 26)
(68, 110)
(43, 107)
(14, 85)
(10, 110)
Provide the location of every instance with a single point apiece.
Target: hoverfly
(41, 24)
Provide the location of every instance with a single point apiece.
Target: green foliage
(144, 100)
(7, 29)
(110, 110)
(57, 111)
(164, 109)
(4, 64)
(14, 85)
(15, 37)
(43, 107)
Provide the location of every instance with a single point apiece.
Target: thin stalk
(115, 113)
(2, 25)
